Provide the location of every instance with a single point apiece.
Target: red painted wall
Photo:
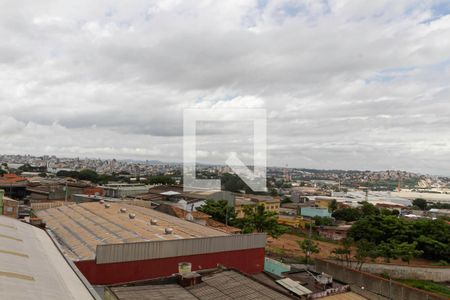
(248, 261)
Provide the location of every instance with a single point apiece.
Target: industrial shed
(32, 267)
(115, 242)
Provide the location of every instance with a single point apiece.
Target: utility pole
(226, 215)
(65, 199)
(308, 253)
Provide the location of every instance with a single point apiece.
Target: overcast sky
(346, 84)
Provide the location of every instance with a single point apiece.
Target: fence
(372, 286)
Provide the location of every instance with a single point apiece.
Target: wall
(10, 208)
(438, 274)
(248, 261)
(372, 286)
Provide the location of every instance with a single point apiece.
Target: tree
(308, 247)
(323, 221)
(347, 214)
(259, 220)
(165, 180)
(406, 251)
(286, 200)
(2, 172)
(420, 203)
(343, 253)
(333, 205)
(233, 183)
(219, 211)
(432, 236)
(368, 209)
(365, 250)
(88, 174)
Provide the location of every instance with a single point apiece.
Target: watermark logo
(254, 177)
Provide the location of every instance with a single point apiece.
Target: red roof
(11, 178)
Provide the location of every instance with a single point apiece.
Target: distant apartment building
(270, 203)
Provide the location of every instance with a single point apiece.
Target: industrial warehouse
(31, 266)
(113, 243)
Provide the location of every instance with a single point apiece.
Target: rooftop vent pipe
(107, 205)
(153, 222)
(168, 230)
(132, 216)
(123, 210)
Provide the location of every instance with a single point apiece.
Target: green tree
(432, 236)
(368, 209)
(259, 220)
(88, 174)
(308, 247)
(333, 205)
(165, 180)
(420, 203)
(286, 200)
(72, 174)
(347, 214)
(406, 251)
(219, 211)
(323, 221)
(364, 251)
(343, 253)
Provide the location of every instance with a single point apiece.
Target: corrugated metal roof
(226, 285)
(294, 286)
(32, 267)
(79, 228)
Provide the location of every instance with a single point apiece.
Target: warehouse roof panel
(79, 228)
(32, 267)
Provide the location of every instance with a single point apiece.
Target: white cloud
(346, 85)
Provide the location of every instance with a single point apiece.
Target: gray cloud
(346, 85)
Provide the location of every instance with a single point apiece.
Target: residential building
(8, 206)
(271, 204)
(122, 190)
(13, 185)
(335, 233)
(293, 221)
(323, 202)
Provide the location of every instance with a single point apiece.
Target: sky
(346, 84)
